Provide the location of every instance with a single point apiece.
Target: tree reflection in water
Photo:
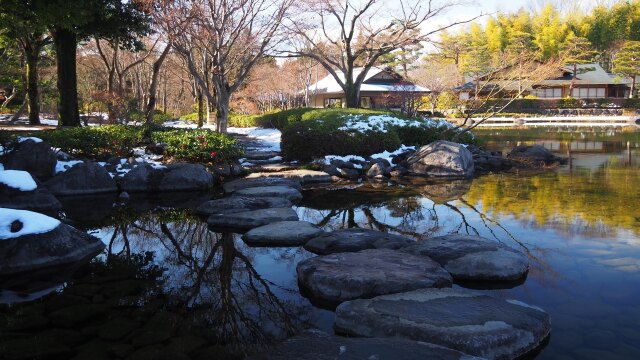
(212, 276)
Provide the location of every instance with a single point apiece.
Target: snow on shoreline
(32, 223)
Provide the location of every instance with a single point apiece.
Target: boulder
(282, 233)
(378, 169)
(303, 176)
(251, 219)
(31, 241)
(347, 173)
(442, 159)
(236, 204)
(462, 320)
(534, 154)
(350, 240)
(245, 183)
(33, 156)
(368, 273)
(174, 177)
(82, 179)
(318, 345)
(469, 257)
(284, 192)
(18, 190)
(443, 192)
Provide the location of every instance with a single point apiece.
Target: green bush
(323, 135)
(200, 145)
(632, 103)
(243, 121)
(96, 142)
(569, 103)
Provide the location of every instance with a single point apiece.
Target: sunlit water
(579, 224)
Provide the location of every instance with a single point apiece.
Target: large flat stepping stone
(304, 176)
(466, 321)
(318, 345)
(251, 219)
(350, 240)
(473, 257)
(368, 273)
(282, 233)
(285, 192)
(260, 155)
(237, 204)
(245, 183)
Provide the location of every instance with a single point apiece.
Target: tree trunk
(200, 108)
(633, 86)
(153, 87)
(222, 107)
(32, 55)
(352, 95)
(65, 46)
(573, 79)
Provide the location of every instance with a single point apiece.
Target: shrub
(190, 118)
(199, 145)
(569, 103)
(632, 103)
(159, 117)
(243, 121)
(94, 141)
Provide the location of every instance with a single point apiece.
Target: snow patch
(269, 138)
(34, 139)
(389, 155)
(329, 158)
(17, 179)
(62, 166)
(1, 166)
(32, 223)
(363, 124)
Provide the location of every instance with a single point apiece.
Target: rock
(222, 170)
(399, 171)
(473, 323)
(37, 158)
(346, 173)
(368, 273)
(285, 192)
(282, 233)
(236, 169)
(331, 169)
(82, 179)
(41, 242)
(469, 257)
(173, 177)
(251, 219)
(72, 316)
(237, 204)
(38, 200)
(442, 159)
(318, 345)
(157, 149)
(304, 176)
(534, 153)
(245, 183)
(378, 169)
(443, 192)
(350, 240)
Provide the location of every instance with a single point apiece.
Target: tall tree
(476, 62)
(342, 35)
(577, 51)
(73, 21)
(234, 34)
(627, 63)
(22, 24)
(549, 31)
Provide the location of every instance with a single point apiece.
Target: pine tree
(576, 51)
(627, 62)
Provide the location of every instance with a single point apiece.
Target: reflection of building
(591, 82)
(381, 88)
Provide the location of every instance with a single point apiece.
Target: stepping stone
(237, 204)
(318, 345)
(260, 155)
(286, 192)
(275, 168)
(473, 257)
(304, 176)
(245, 183)
(282, 233)
(473, 323)
(368, 273)
(350, 240)
(251, 219)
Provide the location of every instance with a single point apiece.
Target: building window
(365, 102)
(333, 103)
(588, 93)
(547, 93)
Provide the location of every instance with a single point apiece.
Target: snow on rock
(389, 155)
(62, 166)
(32, 223)
(329, 158)
(17, 179)
(363, 123)
(34, 139)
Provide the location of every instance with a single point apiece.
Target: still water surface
(580, 225)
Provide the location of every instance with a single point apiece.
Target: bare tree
(235, 34)
(437, 76)
(343, 35)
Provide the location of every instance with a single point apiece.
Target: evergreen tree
(576, 51)
(476, 62)
(549, 31)
(627, 63)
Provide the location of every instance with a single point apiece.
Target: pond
(169, 287)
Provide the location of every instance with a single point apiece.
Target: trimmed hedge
(199, 145)
(322, 136)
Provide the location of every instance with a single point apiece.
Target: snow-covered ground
(269, 138)
(32, 223)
